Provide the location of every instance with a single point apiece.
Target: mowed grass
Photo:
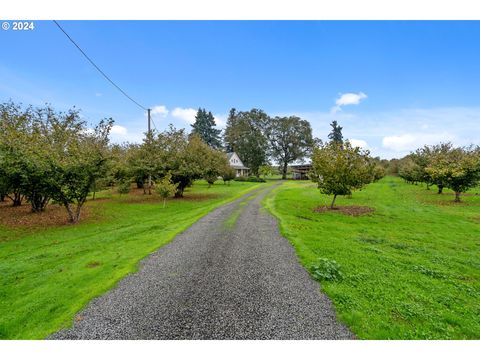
(411, 268)
(48, 275)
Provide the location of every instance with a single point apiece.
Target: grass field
(49, 274)
(411, 269)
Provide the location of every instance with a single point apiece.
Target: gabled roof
(229, 155)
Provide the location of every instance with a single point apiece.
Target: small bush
(326, 269)
(124, 187)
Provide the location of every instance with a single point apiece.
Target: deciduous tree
(290, 140)
(339, 169)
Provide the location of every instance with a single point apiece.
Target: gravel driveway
(231, 275)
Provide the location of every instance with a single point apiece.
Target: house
(237, 164)
(300, 172)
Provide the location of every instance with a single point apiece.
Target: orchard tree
(79, 157)
(423, 158)
(183, 156)
(204, 127)
(214, 163)
(290, 140)
(339, 169)
(228, 173)
(458, 169)
(15, 130)
(266, 170)
(410, 171)
(165, 187)
(245, 134)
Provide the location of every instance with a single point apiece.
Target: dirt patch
(23, 217)
(347, 210)
(93, 264)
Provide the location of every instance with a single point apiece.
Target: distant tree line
(443, 165)
(257, 138)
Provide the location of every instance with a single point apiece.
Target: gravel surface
(219, 279)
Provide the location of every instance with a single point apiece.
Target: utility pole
(149, 136)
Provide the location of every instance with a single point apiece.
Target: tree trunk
(440, 189)
(333, 201)
(17, 199)
(39, 203)
(71, 216)
(77, 213)
(284, 171)
(457, 196)
(179, 192)
(164, 200)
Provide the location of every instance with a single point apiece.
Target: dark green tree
(290, 140)
(336, 133)
(204, 127)
(245, 134)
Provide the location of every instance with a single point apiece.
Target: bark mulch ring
(23, 217)
(347, 210)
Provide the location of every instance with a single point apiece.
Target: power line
(96, 67)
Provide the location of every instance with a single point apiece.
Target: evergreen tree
(204, 127)
(336, 133)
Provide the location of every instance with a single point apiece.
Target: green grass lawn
(411, 269)
(48, 275)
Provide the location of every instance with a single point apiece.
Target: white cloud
(185, 114)
(98, 94)
(160, 110)
(360, 143)
(412, 141)
(395, 133)
(220, 120)
(348, 99)
(119, 130)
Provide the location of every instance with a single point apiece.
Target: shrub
(124, 187)
(326, 269)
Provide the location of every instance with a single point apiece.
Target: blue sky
(393, 86)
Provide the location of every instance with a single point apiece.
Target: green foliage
(165, 188)
(266, 170)
(50, 155)
(336, 133)
(245, 134)
(339, 169)
(290, 140)
(457, 169)
(228, 173)
(204, 127)
(378, 172)
(326, 269)
(124, 187)
(409, 171)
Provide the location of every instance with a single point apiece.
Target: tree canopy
(339, 169)
(245, 134)
(290, 140)
(204, 127)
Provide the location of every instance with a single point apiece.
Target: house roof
(229, 155)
